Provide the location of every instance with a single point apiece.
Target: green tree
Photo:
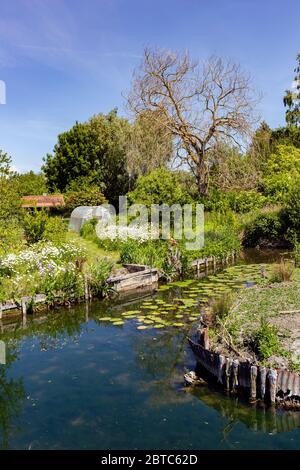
(30, 183)
(159, 187)
(90, 197)
(282, 170)
(5, 164)
(94, 151)
(291, 99)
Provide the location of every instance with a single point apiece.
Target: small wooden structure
(213, 262)
(138, 277)
(39, 202)
(275, 386)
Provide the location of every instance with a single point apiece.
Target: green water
(75, 381)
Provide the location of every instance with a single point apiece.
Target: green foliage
(291, 212)
(5, 164)
(291, 99)
(95, 150)
(238, 201)
(11, 236)
(89, 197)
(152, 253)
(282, 169)
(67, 284)
(289, 135)
(282, 272)
(98, 273)
(10, 203)
(39, 226)
(221, 306)
(265, 340)
(159, 187)
(30, 183)
(264, 228)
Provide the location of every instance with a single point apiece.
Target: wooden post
(198, 267)
(272, 379)
(222, 361)
(262, 382)
(204, 338)
(23, 306)
(228, 372)
(86, 288)
(214, 262)
(206, 263)
(0, 310)
(253, 378)
(235, 371)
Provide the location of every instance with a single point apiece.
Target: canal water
(110, 376)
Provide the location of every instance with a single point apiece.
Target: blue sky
(65, 60)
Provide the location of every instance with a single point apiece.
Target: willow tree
(202, 105)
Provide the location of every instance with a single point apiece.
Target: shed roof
(54, 200)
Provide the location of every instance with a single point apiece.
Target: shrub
(282, 272)
(265, 340)
(61, 283)
(99, 272)
(241, 202)
(265, 228)
(11, 236)
(39, 226)
(221, 306)
(291, 212)
(151, 253)
(246, 201)
(282, 168)
(159, 187)
(89, 197)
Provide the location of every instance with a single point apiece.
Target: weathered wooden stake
(253, 378)
(204, 338)
(228, 372)
(235, 372)
(262, 382)
(222, 361)
(206, 263)
(0, 310)
(86, 288)
(272, 379)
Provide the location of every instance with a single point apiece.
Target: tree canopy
(201, 105)
(93, 152)
(291, 99)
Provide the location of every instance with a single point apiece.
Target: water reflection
(12, 394)
(113, 386)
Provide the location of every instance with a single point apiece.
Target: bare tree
(201, 105)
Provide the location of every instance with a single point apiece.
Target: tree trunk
(202, 179)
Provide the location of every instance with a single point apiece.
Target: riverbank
(260, 323)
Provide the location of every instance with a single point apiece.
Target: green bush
(265, 340)
(159, 187)
(39, 226)
(282, 169)
(99, 272)
(151, 253)
(265, 228)
(291, 212)
(89, 197)
(11, 236)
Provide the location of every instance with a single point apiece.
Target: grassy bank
(262, 323)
